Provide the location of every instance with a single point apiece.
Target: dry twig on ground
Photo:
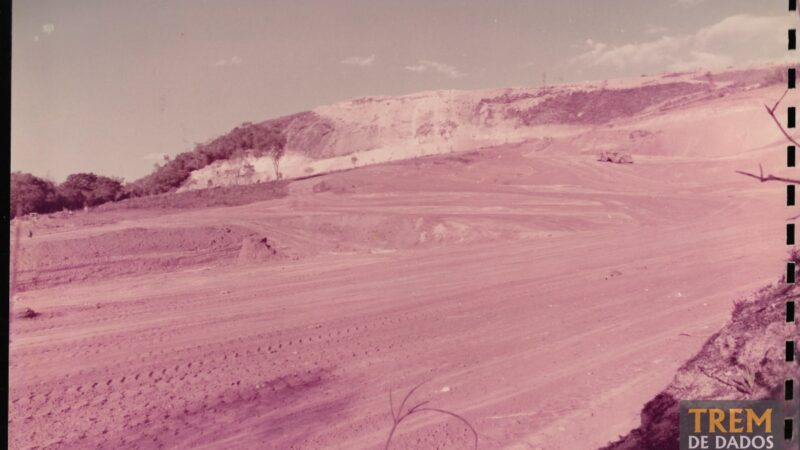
(399, 416)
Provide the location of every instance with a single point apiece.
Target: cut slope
(375, 130)
(527, 280)
(743, 361)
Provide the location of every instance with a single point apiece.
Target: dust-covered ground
(533, 288)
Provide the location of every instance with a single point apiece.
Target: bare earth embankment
(533, 286)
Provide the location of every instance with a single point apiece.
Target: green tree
(31, 194)
(88, 189)
(262, 140)
(271, 142)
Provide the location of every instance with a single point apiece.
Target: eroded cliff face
(375, 130)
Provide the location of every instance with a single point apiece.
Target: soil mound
(27, 313)
(615, 157)
(257, 249)
(76, 256)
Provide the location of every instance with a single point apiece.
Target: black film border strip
(791, 161)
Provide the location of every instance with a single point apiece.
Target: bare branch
(769, 177)
(775, 106)
(778, 123)
(417, 406)
(400, 415)
(391, 406)
(739, 386)
(410, 393)
(761, 177)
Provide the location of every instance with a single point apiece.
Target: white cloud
(233, 61)
(362, 61)
(417, 68)
(424, 65)
(47, 30)
(735, 40)
(657, 30)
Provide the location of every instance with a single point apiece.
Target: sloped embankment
(376, 130)
(47, 262)
(745, 360)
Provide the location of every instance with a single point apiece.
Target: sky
(110, 86)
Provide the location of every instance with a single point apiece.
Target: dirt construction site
(527, 286)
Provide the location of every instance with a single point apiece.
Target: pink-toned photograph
(433, 224)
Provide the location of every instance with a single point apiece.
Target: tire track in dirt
(303, 353)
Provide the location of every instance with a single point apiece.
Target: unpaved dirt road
(543, 297)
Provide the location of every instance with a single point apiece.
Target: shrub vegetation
(31, 194)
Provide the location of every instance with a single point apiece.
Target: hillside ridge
(378, 129)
